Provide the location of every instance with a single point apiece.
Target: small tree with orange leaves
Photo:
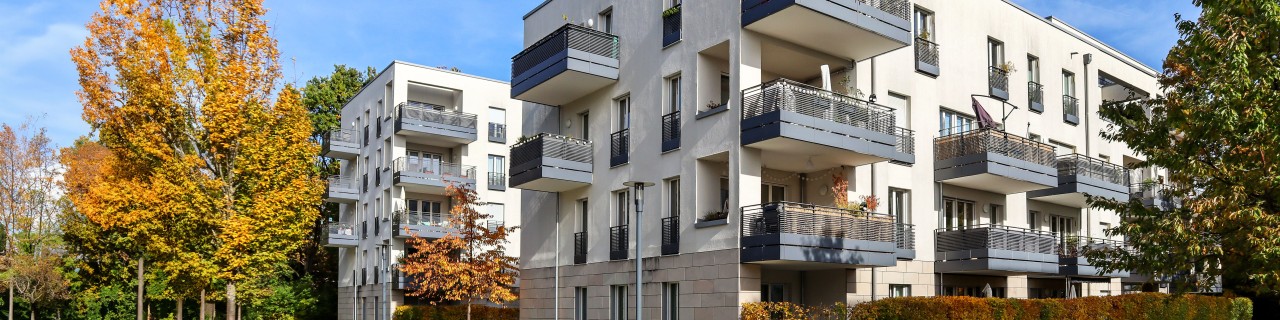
(468, 264)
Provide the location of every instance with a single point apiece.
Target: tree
(1216, 131)
(469, 263)
(37, 279)
(29, 207)
(213, 177)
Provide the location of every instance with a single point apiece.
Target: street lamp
(637, 188)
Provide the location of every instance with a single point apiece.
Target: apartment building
(405, 137)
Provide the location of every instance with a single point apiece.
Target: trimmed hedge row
(1130, 306)
(452, 312)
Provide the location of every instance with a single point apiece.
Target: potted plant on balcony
(671, 11)
(1007, 67)
(713, 218)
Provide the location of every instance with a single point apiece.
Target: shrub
(453, 312)
(1130, 306)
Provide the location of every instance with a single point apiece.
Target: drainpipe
(873, 178)
(556, 309)
(1088, 135)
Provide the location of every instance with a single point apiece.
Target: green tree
(1216, 130)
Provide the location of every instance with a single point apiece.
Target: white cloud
(51, 45)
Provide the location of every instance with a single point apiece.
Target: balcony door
(1062, 225)
(958, 214)
(952, 122)
(423, 161)
(772, 193)
(425, 212)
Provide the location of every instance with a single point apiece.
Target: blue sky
(37, 78)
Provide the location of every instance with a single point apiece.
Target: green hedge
(1130, 306)
(452, 312)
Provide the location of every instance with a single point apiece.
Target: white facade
(405, 136)
(751, 43)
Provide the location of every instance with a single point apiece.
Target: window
(996, 214)
(673, 93)
(773, 292)
(606, 20)
(924, 24)
(580, 303)
(497, 212)
(953, 122)
(724, 194)
(422, 161)
(497, 115)
(995, 53)
(899, 290)
(772, 193)
(1062, 148)
(1033, 69)
(670, 301)
(1068, 83)
(622, 207)
(583, 209)
(1062, 225)
(1033, 219)
(618, 302)
(623, 108)
(584, 119)
(900, 204)
(724, 89)
(497, 164)
(901, 109)
(424, 212)
(958, 214)
(673, 197)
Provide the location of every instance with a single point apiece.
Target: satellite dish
(591, 23)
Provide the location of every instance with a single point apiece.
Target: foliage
(325, 96)
(454, 312)
(671, 11)
(1214, 129)
(1129, 306)
(30, 206)
(715, 215)
(468, 264)
(840, 191)
(212, 174)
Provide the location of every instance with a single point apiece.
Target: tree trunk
(179, 309)
(202, 304)
(231, 301)
(141, 260)
(468, 310)
(33, 312)
(10, 298)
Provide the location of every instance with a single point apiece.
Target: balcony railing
(814, 220)
(570, 36)
(343, 229)
(497, 181)
(904, 140)
(436, 114)
(997, 237)
(428, 169)
(619, 147)
(904, 236)
(1070, 109)
(998, 79)
(1077, 246)
(671, 20)
(1078, 164)
(671, 235)
(346, 136)
(618, 242)
(1035, 96)
(548, 145)
(993, 141)
(433, 219)
(497, 132)
(897, 8)
(792, 96)
(493, 225)
(339, 181)
(671, 131)
(927, 56)
(580, 248)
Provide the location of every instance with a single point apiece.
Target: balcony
(671, 19)
(428, 176)
(437, 126)
(1070, 110)
(619, 147)
(866, 28)
(497, 132)
(998, 80)
(341, 144)
(927, 57)
(341, 235)
(580, 248)
(1080, 175)
(996, 250)
(497, 181)
(671, 235)
(791, 118)
(1073, 263)
(551, 163)
(1035, 96)
(399, 280)
(671, 131)
(1154, 194)
(341, 189)
(806, 235)
(618, 242)
(568, 64)
(409, 224)
(996, 161)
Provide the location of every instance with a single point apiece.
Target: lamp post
(637, 189)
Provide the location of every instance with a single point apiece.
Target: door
(772, 193)
(423, 161)
(425, 212)
(1062, 225)
(958, 214)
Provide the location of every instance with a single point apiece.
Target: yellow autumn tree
(212, 168)
(469, 263)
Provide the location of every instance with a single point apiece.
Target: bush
(1130, 306)
(453, 312)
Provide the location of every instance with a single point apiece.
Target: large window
(673, 93)
(623, 112)
(924, 24)
(996, 213)
(900, 204)
(673, 197)
(497, 211)
(671, 301)
(1063, 225)
(497, 164)
(952, 122)
(618, 302)
(1033, 69)
(957, 214)
(580, 303)
(621, 209)
(772, 193)
(423, 161)
(995, 53)
(1068, 83)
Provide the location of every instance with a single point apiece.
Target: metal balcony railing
(580, 248)
(618, 242)
(927, 52)
(998, 79)
(342, 136)
(427, 168)
(497, 181)
(493, 225)
(897, 8)
(792, 96)
(904, 236)
(993, 141)
(1077, 246)
(434, 219)
(1078, 164)
(619, 147)
(547, 145)
(671, 21)
(569, 36)
(671, 235)
(1070, 106)
(671, 131)
(497, 132)
(814, 220)
(339, 181)
(1035, 92)
(996, 237)
(343, 229)
(435, 114)
(904, 140)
